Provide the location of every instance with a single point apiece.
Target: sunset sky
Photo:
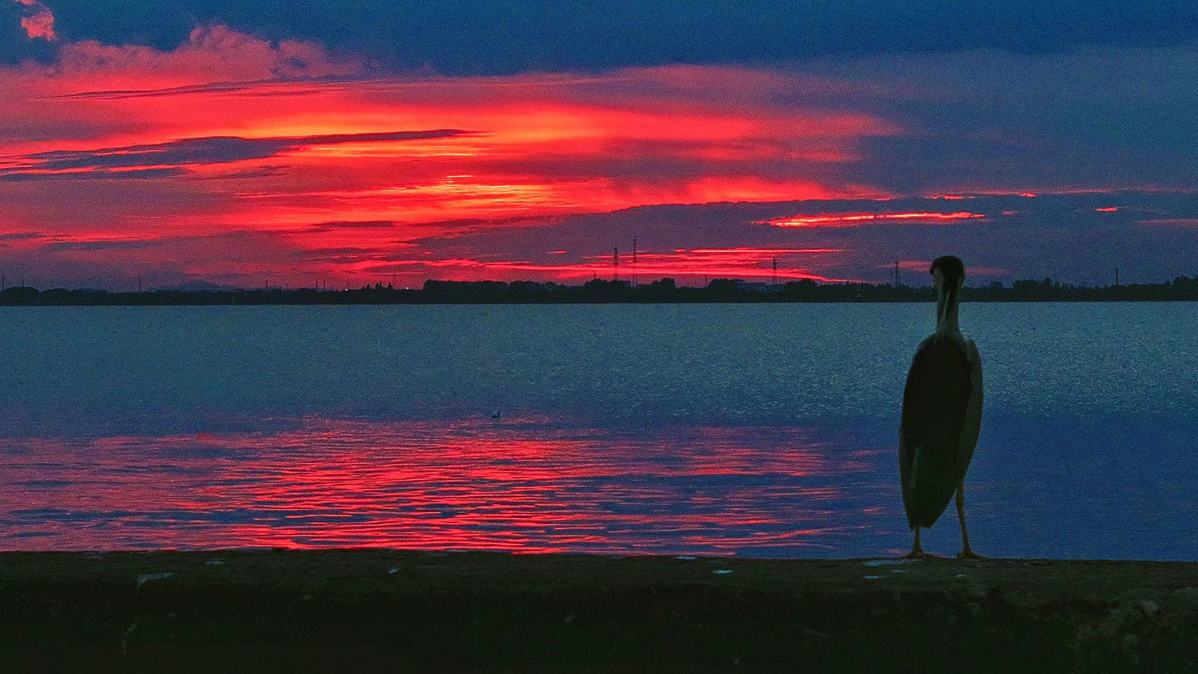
(247, 143)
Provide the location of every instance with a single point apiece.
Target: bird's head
(948, 272)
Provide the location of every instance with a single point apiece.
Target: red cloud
(133, 143)
(858, 219)
(38, 21)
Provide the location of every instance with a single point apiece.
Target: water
(757, 430)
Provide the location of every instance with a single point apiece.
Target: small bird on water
(942, 413)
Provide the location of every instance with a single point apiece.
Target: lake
(748, 429)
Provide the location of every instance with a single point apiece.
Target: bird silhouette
(942, 413)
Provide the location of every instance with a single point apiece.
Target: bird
(942, 413)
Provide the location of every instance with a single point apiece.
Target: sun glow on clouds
(230, 133)
(858, 219)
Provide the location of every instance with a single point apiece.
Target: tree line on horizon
(664, 290)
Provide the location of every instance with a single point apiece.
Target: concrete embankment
(420, 612)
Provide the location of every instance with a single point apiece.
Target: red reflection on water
(520, 485)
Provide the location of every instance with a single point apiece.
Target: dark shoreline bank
(417, 611)
(663, 291)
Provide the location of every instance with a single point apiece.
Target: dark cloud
(250, 174)
(985, 120)
(165, 158)
(258, 89)
(352, 225)
(502, 36)
(128, 174)
(100, 245)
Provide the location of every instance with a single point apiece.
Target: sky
(160, 142)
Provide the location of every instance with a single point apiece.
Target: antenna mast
(634, 276)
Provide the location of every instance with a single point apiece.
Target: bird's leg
(916, 548)
(966, 551)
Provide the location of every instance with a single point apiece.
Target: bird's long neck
(947, 301)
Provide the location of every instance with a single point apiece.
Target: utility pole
(615, 263)
(896, 274)
(634, 277)
(775, 279)
(1116, 277)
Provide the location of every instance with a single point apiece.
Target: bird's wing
(973, 410)
(935, 403)
(908, 434)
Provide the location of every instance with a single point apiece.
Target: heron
(942, 413)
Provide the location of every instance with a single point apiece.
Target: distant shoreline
(276, 610)
(1181, 289)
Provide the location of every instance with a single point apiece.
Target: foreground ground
(419, 612)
